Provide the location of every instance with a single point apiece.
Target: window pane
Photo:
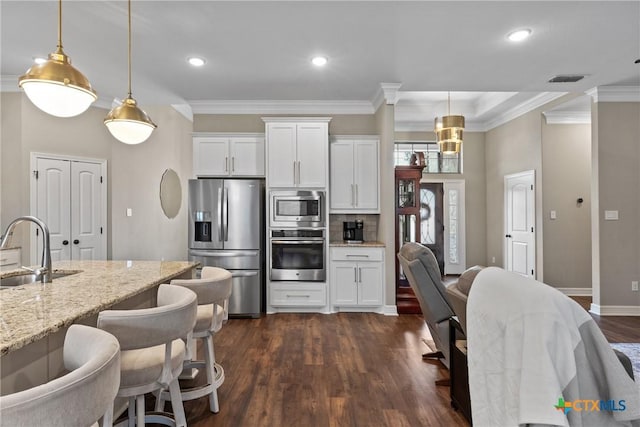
(434, 161)
(427, 217)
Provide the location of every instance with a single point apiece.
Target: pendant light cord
(129, 48)
(59, 24)
(448, 103)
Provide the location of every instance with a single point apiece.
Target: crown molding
(527, 106)
(567, 117)
(281, 107)
(389, 93)
(185, 110)
(427, 126)
(615, 94)
(9, 84)
(293, 119)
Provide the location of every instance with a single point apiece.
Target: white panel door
(366, 174)
(520, 220)
(86, 211)
(342, 192)
(312, 140)
(52, 206)
(281, 143)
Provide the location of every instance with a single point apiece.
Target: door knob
(76, 241)
(508, 235)
(65, 242)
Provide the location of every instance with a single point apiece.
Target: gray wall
(473, 173)
(566, 176)
(616, 160)
(133, 172)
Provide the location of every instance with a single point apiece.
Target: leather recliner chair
(458, 293)
(421, 269)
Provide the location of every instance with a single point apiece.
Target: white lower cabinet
(304, 294)
(357, 277)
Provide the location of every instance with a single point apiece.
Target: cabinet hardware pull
(296, 296)
(352, 202)
(360, 275)
(298, 172)
(355, 203)
(226, 164)
(355, 255)
(294, 173)
(233, 164)
(355, 275)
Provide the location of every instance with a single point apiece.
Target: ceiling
(258, 53)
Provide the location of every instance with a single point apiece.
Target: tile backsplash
(370, 226)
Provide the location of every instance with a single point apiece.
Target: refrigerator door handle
(220, 236)
(225, 219)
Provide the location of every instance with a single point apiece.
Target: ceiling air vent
(564, 78)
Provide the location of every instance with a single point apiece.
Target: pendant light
(127, 122)
(449, 131)
(55, 86)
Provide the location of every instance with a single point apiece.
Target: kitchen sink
(24, 279)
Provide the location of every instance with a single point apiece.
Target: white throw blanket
(529, 345)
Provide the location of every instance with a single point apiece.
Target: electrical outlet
(493, 260)
(634, 285)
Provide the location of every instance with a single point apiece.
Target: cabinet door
(369, 283)
(344, 279)
(366, 175)
(342, 190)
(211, 156)
(312, 149)
(281, 142)
(247, 156)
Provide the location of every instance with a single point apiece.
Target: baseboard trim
(576, 292)
(615, 310)
(390, 310)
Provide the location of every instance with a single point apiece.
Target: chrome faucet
(46, 271)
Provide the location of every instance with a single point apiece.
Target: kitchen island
(34, 317)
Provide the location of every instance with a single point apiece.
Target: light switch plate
(129, 212)
(611, 215)
(552, 214)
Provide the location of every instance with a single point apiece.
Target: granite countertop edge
(16, 317)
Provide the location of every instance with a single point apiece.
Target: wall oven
(297, 208)
(298, 255)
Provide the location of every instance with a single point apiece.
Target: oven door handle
(297, 242)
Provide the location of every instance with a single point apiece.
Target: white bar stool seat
(79, 398)
(213, 290)
(152, 351)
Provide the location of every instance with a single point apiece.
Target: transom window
(434, 161)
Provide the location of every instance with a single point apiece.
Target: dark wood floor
(346, 369)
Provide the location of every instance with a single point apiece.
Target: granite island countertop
(31, 312)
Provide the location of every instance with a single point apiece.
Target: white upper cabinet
(355, 182)
(297, 152)
(228, 155)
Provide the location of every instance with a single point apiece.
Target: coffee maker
(353, 231)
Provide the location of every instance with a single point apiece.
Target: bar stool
(152, 351)
(80, 397)
(213, 290)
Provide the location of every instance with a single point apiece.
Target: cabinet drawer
(9, 259)
(295, 295)
(357, 254)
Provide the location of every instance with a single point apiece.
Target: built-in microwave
(297, 208)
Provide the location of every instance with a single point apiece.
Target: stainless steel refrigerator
(226, 229)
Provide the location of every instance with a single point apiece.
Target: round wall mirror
(170, 193)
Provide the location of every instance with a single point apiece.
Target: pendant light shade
(55, 86)
(449, 131)
(127, 122)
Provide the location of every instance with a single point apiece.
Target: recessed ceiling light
(39, 60)
(519, 35)
(196, 62)
(319, 61)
